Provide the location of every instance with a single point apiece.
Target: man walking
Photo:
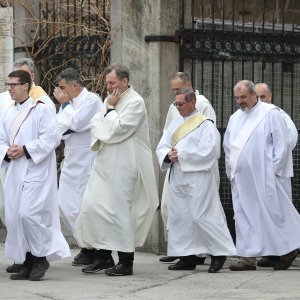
(257, 149)
(28, 137)
(197, 224)
(78, 106)
(121, 196)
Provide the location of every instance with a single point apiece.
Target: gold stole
(188, 126)
(36, 92)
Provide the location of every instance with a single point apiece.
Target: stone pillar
(26, 16)
(6, 44)
(151, 65)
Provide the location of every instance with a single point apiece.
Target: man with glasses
(181, 80)
(37, 94)
(196, 220)
(28, 137)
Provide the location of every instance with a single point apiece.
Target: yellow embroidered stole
(188, 126)
(36, 92)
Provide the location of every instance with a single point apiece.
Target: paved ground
(152, 280)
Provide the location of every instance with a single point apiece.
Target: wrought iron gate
(73, 33)
(222, 42)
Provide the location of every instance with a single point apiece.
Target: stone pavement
(152, 280)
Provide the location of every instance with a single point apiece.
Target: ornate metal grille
(222, 42)
(73, 33)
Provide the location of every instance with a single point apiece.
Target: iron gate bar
(244, 45)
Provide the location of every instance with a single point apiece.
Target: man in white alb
(181, 80)
(78, 106)
(197, 224)
(28, 137)
(257, 151)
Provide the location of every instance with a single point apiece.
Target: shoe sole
(97, 270)
(116, 274)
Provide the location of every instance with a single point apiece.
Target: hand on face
(61, 95)
(113, 97)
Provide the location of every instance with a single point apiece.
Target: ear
(125, 82)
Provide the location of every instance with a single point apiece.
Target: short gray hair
(25, 62)
(189, 95)
(70, 75)
(183, 76)
(247, 83)
(121, 70)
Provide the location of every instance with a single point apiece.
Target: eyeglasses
(179, 104)
(13, 85)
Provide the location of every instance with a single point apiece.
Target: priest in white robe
(181, 80)
(197, 224)
(121, 195)
(257, 150)
(28, 137)
(78, 106)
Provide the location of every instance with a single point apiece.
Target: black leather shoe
(285, 261)
(119, 270)
(14, 268)
(181, 265)
(217, 263)
(38, 270)
(98, 265)
(167, 259)
(84, 258)
(268, 261)
(23, 274)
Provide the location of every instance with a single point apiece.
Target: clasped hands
(173, 155)
(15, 152)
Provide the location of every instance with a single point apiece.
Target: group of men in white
(107, 194)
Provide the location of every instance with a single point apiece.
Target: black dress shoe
(98, 265)
(285, 261)
(167, 259)
(14, 268)
(38, 270)
(268, 261)
(217, 263)
(181, 265)
(84, 258)
(23, 274)
(119, 270)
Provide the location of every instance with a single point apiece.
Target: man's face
(27, 69)
(113, 82)
(244, 99)
(263, 93)
(184, 108)
(70, 88)
(17, 90)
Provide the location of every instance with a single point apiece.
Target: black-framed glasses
(13, 85)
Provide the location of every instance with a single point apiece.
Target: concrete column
(151, 65)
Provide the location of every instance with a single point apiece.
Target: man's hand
(173, 155)
(61, 95)
(113, 98)
(15, 152)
